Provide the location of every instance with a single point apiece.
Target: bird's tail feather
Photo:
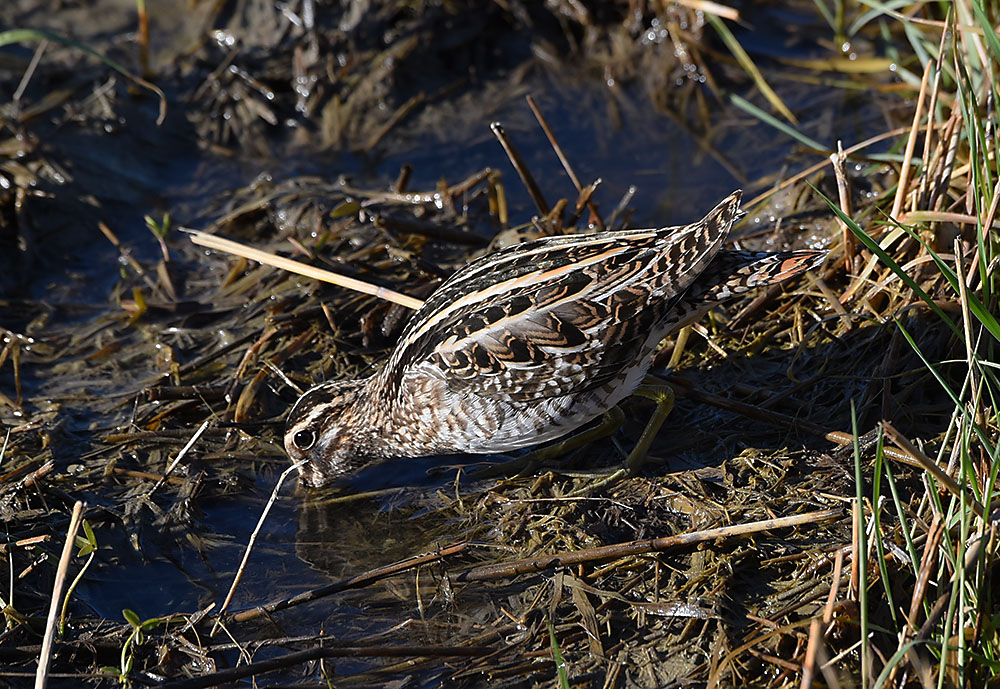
(735, 272)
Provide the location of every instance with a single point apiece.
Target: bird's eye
(304, 439)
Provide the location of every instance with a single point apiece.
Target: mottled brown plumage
(525, 344)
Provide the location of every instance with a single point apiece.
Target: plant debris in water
(816, 510)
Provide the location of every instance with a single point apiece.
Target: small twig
(565, 163)
(522, 170)
(631, 548)
(213, 242)
(45, 655)
(253, 539)
(919, 459)
(354, 582)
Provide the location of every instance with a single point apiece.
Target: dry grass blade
(253, 539)
(229, 246)
(718, 9)
(945, 216)
(911, 142)
(180, 456)
(45, 655)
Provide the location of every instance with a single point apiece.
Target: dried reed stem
(631, 548)
(230, 247)
(45, 654)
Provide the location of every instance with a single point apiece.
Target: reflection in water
(383, 513)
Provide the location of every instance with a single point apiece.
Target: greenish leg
(612, 421)
(663, 395)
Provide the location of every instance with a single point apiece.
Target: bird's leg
(612, 421)
(663, 395)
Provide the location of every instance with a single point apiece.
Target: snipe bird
(526, 344)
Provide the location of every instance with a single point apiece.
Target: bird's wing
(558, 315)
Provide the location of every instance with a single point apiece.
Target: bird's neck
(373, 433)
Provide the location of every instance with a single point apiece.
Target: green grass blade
(749, 67)
(825, 13)
(35, 35)
(557, 657)
(768, 118)
(895, 660)
(876, 517)
(878, 9)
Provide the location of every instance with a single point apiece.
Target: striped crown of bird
(523, 345)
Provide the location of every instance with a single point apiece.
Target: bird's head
(321, 431)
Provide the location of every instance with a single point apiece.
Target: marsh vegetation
(819, 507)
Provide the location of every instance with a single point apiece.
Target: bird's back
(560, 314)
